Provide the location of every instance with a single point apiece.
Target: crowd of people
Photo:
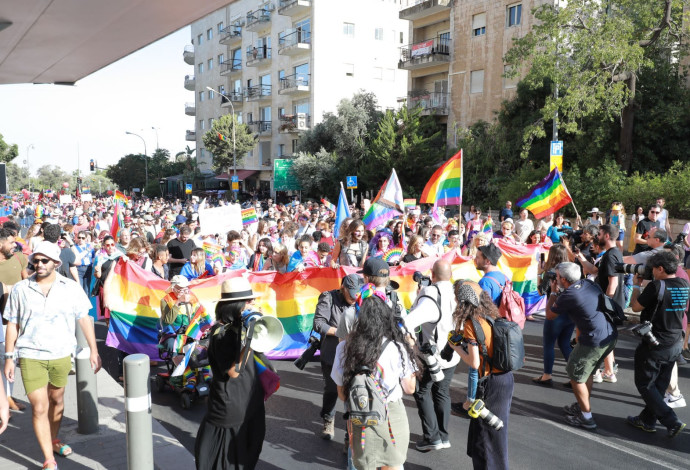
(363, 322)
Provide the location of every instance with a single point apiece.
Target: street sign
(556, 159)
(188, 188)
(235, 179)
(284, 178)
(351, 182)
(235, 186)
(557, 148)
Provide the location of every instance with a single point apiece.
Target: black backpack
(508, 345)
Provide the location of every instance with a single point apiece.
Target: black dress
(231, 434)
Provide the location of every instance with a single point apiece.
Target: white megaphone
(268, 331)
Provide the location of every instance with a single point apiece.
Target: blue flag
(342, 213)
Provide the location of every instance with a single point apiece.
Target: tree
(128, 172)
(51, 177)
(17, 177)
(318, 173)
(8, 152)
(222, 150)
(593, 52)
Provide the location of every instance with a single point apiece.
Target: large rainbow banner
(133, 296)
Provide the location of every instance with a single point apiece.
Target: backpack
(512, 305)
(508, 344)
(366, 401)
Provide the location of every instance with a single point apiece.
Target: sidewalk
(105, 450)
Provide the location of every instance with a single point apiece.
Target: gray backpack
(366, 401)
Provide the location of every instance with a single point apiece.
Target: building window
(479, 24)
(509, 82)
(349, 70)
(349, 30)
(202, 124)
(201, 68)
(221, 89)
(402, 37)
(514, 15)
(220, 27)
(239, 117)
(210, 64)
(209, 33)
(294, 146)
(210, 123)
(199, 39)
(378, 34)
(201, 96)
(477, 81)
(281, 75)
(210, 94)
(281, 150)
(221, 58)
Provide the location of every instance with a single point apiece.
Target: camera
(421, 280)
(640, 269)
(644, 331)
(479, 410)
(432, 359)
(314, 344)
(454, 339)
(680, 239)
(545, 284)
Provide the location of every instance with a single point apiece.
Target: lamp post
(28, 166)
(156, 131)
(146, 159)
(234, 124)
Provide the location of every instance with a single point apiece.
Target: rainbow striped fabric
(214, 253)
(546, 197)
(133, 296)
(222, 137)
(410, 203)
(488, 225)
(329, 205)
(249, 216)
(445, 186)
(387, 205)
(120, 196)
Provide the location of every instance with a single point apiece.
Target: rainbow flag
(270, 381)
(200, 322)
(118, 221)
(249, 216)
(546, 197)
(329, 205)
(222, 137)
(214, 253)
(387, 205)
(120, 197)
(488, 225)
(445, 186)
(410, 203)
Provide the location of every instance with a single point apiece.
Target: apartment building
(455, 56)
(281, 64)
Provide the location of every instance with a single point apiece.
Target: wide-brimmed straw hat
(237, 288)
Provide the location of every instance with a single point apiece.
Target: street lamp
(28, 167)
(156, 130)
(146, 159)
(234, 124)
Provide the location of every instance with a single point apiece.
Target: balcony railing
(190, 136)
(257, 19)
(257, 55)
(292, 41)
(258, 92)
(188, 54)
(298, 82)
(236, 96)
(262, 127)
(416, 9)
(230, 34)
(293, 7)
(431, 103)
(290, 123)
(425, 53)
(230, 66)
(189, 109)
(189, 82)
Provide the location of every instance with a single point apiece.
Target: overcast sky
(69, 124)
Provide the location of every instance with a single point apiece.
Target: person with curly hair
(351, 250)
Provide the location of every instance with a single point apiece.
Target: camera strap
(437, 302)
(659, 298)
(481, 339)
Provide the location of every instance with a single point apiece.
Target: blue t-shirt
(554, 234)
(494, 289)
(505, 214)
(580, 302)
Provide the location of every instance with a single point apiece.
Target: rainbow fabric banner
(410, 203)
(249, 216)
(445, 186)
(546, 197)
(329, 205)
(133, 296)
(120, 196)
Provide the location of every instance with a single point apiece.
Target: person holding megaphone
(231, 434)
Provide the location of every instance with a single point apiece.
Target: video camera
(640, 269)
(421, 280)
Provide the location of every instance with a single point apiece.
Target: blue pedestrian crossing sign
(351, 182)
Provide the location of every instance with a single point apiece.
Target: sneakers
(686, 354)
(426, 445)
(636, 422)
(581, 422)
(445, 444)
(572, 409)
(328, 430)
(597, 378)
(675, 430)
(674, 402)
(609, 378)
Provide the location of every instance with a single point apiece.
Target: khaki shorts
(585, 360)
(37, 373)
(379, 449)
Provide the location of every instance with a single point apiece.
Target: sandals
(63, 449)
(49, 465)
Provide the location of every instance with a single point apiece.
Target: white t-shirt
(391, 363)
(663, 215)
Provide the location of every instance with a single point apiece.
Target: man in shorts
(42, 312)
(580, 299)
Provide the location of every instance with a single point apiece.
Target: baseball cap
(353, 283)
(375, 267)
(47, 249)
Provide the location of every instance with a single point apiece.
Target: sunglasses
(81, 238)
(655, 212)
(42, 260)
(110, 244)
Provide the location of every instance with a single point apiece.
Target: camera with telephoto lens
(432, 359)
(454, 339)
(479, 410)
(314, 344)
(545, 284)
(680, 239)
(640, 269)
(421, 280)
(644, 331)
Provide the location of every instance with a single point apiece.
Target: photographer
(662, 303)
(329, 310)
(433, 311)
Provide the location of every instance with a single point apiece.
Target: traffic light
(78, 181)
(92, 165)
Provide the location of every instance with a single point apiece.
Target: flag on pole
(546, 197)
(118, 221)
(488, 225)
(343, 211)
(222, 137)
(445, 186)
(120, 196)
(329, 205)
(389, 203)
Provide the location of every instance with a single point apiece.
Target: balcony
(294, 123)
(294, 41)
(230, 34)
(236, 98)
(263, 128)
(258, 56)
(431, 104)
(293, 7)
(230, 66)
(425, 54)
(416, 9)
(189, 82)
(190, 109)
(258, 19)
(188, 54)
(259, 93)
(190, 136)
(294, 84)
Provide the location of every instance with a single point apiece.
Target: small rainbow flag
(249, 216)
(214, 253)
(222, 137)
(409, 203)
(546, 197)
(393, 255)
(445, 186)
(200, 322)
(120, 197)
(270, 381)
(488, 225)
(329, 205)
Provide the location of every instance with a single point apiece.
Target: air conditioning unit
(302, 122)
(270, 7)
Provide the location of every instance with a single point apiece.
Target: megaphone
(268, 332)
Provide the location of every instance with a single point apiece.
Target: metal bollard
(138, 412)
(87, 388)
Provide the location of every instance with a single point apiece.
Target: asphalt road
(538, 436)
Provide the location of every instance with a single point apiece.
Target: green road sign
(283, 177)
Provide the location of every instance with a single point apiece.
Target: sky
(69, 125)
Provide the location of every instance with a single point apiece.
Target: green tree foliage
(8, 152)
(318, 173)
(223, 150)
(129, 172)
(51, 177)
(17, 177)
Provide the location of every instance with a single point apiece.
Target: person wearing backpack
(487, 446)
(494, 279)
(377, 343)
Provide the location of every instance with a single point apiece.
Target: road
(538, 436)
